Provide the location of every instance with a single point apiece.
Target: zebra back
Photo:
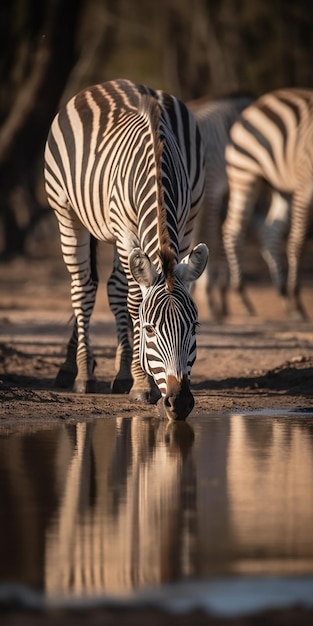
(215, 119)
(91, 141)
(272, 137)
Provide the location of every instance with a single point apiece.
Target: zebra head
(168, 319)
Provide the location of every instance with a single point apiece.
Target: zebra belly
(103, 233)
(97, 226)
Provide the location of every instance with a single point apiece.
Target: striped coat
(272, 142)
(215, 119)
(124, 164)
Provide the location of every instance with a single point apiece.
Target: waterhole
(118, 508)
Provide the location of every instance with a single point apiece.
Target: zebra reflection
(126, 506)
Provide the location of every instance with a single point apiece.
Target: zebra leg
(117, 289)
(77, 248)
(242, 198)
(68, 370)
(300, 210)
(207, 229)
(273, 233)
(222, 272)
(144, 388)
(67, 373)
(216, 295)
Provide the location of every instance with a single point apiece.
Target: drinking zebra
(215, 119)
(124, 164)
(272, 141)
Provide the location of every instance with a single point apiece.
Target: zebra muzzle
(179, 401)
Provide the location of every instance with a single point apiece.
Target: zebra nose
(178, 402)
(178, 407)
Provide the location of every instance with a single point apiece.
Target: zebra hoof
(139, 395)
(154, 396)
(297, 315)
(85, 386)
(65, 379)
(122, 385)
(148, 397)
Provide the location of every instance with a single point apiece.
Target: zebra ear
(192, 265)
(141, 269)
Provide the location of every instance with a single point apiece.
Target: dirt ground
(260, 362)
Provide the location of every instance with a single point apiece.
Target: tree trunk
(24, 131)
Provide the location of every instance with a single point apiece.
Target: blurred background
(192, 48)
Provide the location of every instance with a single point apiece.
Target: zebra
(272, 142)
(124, 164)
(215, 118)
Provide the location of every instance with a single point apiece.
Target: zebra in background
(272, 141)
(215, 119)
(124, 164)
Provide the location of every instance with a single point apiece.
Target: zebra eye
(150, 330)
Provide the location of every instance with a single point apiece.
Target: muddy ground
(260, 362)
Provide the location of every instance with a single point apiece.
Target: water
(123, 508)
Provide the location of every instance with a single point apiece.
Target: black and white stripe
(272, 142)
(215, 118)
(124, 164)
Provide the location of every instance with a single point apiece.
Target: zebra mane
(168, 262)
(151, 110)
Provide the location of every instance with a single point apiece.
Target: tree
(192, 48)
(39, 52)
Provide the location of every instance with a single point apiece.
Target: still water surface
(119, 505)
